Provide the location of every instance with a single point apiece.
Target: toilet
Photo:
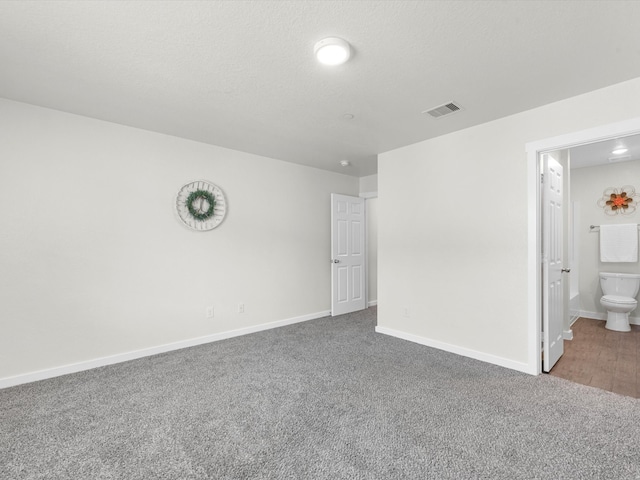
(619, 299)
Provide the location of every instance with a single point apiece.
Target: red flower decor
(623, 200)
(619, 201)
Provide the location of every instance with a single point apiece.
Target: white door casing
(348, 254)
(552, 262)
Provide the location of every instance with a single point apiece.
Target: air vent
(442, 110)
(619, 158)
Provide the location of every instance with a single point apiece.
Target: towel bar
(591, 227)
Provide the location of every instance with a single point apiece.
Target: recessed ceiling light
(620, 151)
(332, 51)
(345, 163)
(348, 116)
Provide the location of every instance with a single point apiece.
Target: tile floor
(602, 358)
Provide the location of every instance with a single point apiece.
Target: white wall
(587, 186)
(369, 184)
(95, 263)
(452, 253)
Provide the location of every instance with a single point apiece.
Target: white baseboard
(567, 334)
(146, 352)
(465, 352)
(603, 316)
(372, 303)
(593, 315)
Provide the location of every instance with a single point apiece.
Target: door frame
(534, 150)
(368, 196)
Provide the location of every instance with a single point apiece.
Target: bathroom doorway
(593, 355)
(535, 151)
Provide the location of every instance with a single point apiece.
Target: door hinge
(542, 178)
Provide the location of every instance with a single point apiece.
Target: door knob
(335, 261)
(566, 270)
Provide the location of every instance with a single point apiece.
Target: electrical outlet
(209, 311)
(241, 308)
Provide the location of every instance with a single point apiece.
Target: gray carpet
(325, 399)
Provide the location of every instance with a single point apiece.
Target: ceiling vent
(619, 158)
(443, 110)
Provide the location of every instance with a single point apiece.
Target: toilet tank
(621, 284)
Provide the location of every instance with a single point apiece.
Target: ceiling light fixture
(345, 163)
(332, 51)
(620, 150)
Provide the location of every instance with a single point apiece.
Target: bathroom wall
(587, 186)
(575, 228)
(94, 262)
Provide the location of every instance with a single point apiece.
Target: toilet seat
(618, 300)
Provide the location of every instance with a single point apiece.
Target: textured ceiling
(241, 74)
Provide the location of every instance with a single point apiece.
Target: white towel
(619, 243)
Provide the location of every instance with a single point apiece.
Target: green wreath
(199, 197)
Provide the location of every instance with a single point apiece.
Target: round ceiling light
(620, 150)
(332, 51)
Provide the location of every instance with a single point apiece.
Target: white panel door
(348, 279)
(552, 263)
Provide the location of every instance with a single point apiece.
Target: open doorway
(535, 151)
(595, 355)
